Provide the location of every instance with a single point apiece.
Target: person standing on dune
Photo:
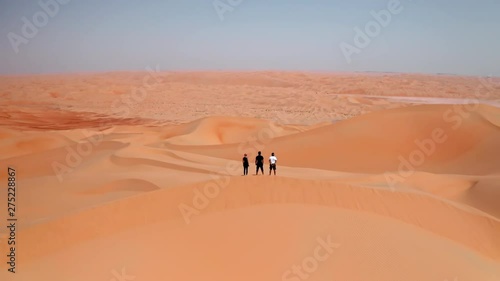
(245, 165)
(272, 163)
(259, 162)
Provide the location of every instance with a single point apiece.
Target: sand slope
(159, 196)
(223, 130)
(376, 142)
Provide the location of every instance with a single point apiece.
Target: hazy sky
(440, 36)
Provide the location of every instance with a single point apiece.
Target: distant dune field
(116, 174)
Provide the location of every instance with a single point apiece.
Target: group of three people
(259, 163)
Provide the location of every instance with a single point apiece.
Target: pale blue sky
(441, 36)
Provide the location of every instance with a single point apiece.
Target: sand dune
(23, 144)
(245, 193)
(483, 195)
(376, 142)
(133, 185)
(223, 130)
(401, 191)
(182, 97)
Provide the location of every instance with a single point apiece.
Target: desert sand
(137, 176)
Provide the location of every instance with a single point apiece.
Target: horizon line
(326, 72)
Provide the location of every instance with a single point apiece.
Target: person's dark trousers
(261, 167)
(245, 170)
(271, 168)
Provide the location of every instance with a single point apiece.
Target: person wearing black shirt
(259, 162)
(245, 165)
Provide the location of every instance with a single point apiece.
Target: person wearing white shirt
(272, 163)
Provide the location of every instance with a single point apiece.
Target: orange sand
(153, 189)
